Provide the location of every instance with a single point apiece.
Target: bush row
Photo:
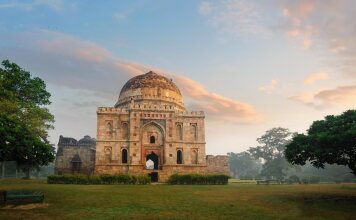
(199, 179)
(99, 179)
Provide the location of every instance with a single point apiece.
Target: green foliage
(99, 179)
(243, 165)
(294, 179)
(198, 179)
(328, 141)
(271, 150)
(24, 121)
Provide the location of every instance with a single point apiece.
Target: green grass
(234, 201)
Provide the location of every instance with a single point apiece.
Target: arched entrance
(152, 150)
(154, 176)
(154, 158)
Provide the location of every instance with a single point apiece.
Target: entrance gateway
(152, 164)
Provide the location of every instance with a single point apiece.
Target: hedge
(198, 179)
(99, 179)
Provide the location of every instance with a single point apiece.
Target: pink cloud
(59, 43)
(79, 64)
(269, 88)
(327, 98)
(314, 77)
(217, 106)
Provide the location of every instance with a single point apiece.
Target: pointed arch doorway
(152, 146)
(154, 158)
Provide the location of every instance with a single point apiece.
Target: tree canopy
(244, 165)
(328, 141)
(271, 150)
(24, 119)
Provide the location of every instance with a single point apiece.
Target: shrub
(199, 179)
(314, 179)
(107, 178)
(94, 180)
(142, 179)
(293, 179)
(98, 179)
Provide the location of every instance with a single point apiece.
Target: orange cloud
(216, 106)
(79, 64)
(59, 43)
(269, 88)
(314, 77)
(339, 96)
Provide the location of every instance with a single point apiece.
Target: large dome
(148, 88)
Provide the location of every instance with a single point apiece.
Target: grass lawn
(233, 201)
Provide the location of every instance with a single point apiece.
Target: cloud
(120, 16)
(217, 106)
(314, 77)
(327, 25)
(56, 5)
(269, 88)
(205, 8)
(235, 17)
(70, 62)
(327, 98)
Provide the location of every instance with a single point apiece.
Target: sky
(250, 65)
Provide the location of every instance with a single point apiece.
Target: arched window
(124, 156)
(194, 132)
(107, 154)
(152, 139)
(179, 157)
(179, 131)
(194, 157)
(125, 130)
(109, 129)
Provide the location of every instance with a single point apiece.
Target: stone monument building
(149, 131)
(75, 156)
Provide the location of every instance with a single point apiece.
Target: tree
(24, 119)
(244, 165)
(271, 150)
(329, 141)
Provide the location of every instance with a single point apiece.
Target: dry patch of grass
(26, 206)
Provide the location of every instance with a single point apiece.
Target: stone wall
(72, 151)
(217, 164)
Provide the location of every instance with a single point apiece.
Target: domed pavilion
(149, 131)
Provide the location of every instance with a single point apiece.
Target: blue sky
(250, 65)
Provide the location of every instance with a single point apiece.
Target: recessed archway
(179, 157)
(154, 158)
(124, 156)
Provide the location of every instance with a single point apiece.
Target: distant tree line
(281, 154)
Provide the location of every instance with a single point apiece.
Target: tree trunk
(27, 173)
(353, 168)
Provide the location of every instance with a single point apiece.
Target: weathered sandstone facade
(75, 156)
(150, 122)
(217, 164)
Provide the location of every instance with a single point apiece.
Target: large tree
(24, 118)
(271, 150)
(329, 141)
(244, 165)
